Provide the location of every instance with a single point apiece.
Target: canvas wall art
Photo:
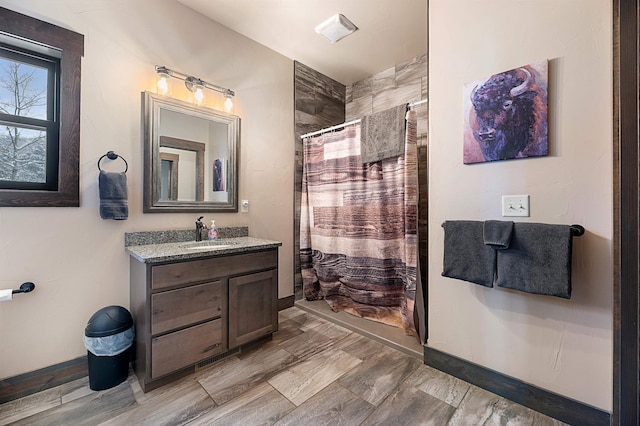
(506, 115)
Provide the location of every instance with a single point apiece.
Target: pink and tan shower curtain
(358, 227)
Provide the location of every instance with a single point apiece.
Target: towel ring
(112, 156)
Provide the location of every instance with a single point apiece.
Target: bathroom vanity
(194, 303)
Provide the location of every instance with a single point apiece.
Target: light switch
(515, 205)
(244, 206)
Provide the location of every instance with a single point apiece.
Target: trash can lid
(108, 321)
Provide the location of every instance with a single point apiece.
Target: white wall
(561, 345)
(78, 260)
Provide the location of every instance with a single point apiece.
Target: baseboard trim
(36, 381)
(286, 302)
(551, 404)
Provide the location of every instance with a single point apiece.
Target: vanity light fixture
(194, 84)
(336, 28)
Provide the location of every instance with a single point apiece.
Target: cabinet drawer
(182, 307)
(183, 348)
(171, 274)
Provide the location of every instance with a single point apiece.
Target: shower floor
(385, 334)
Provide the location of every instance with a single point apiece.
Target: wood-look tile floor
(313, 372)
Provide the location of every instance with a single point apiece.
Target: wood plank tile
(91, 409)
(482, 407)
(359, 108)
(438, 384)
(303, 380)
(234, 376)
(314, 340)
(286, 330)
(178, 406)
(386, 99)
(359, 346)
(332, 331)
(379, 375)
(74, 390)
(333, 405)
(383, 81)
(413, 69)
(29, 405)
(307, 322)
(289, 313)
(410, 406)
(361, 88)
(261, 404)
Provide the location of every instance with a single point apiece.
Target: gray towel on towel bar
(497, 233)
(466, 257)
(538, 260)
(113, 195)
(382, 134)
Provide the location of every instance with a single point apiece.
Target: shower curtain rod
(349, 123)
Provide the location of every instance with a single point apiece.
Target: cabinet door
(253, 307)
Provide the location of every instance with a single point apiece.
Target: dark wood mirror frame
(71, 44)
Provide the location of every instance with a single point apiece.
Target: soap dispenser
(213, 232)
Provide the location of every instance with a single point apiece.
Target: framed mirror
(190, 157)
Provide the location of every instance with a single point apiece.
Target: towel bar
(112, 156)
(576, 230)
(25, 288)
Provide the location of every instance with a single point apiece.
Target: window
(29, 119)
(39, 113)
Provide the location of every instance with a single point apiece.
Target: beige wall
(76, 259)
(561, 345)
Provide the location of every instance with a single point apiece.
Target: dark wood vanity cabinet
(187, 312)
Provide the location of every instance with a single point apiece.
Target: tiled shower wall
(321, 102)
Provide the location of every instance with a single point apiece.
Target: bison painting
(507, 115)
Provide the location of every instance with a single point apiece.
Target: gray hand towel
(382, 134)
(466, 257)
(497, 233)
(113, 195)
(538, 260)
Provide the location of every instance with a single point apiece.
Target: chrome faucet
(199, 227)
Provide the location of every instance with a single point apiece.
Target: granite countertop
(186, 250)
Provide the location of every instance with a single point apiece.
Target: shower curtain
(358, 227)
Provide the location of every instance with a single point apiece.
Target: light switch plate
(244, 206)
(515, 205)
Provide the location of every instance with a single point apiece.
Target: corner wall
(564, 346)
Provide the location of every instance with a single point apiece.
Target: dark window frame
(71, 44)
(50, 124)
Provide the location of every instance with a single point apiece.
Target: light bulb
(228, 104)
(163, 85)
(198, 94)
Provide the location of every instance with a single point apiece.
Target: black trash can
(108, 338)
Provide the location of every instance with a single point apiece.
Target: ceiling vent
(336, 28)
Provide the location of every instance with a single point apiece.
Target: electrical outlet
(244, 206)
(515, 205)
